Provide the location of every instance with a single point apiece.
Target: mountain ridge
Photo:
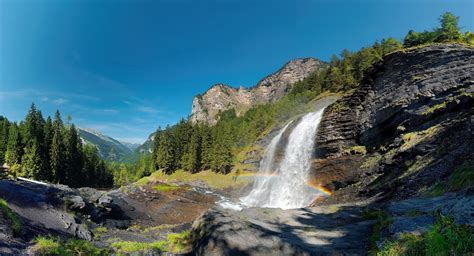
(220, 97)
(108, 147)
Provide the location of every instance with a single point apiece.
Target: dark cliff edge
(406, 128)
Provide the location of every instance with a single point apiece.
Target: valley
(368, 154)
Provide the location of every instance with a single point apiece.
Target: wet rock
(90, 194)
(462, 210)
(414, 225)
(74, 202)
(257, 231)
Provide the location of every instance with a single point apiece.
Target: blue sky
(126, 67)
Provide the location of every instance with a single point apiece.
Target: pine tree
(192, 157)
(206, 146)
(74, 158)
(14, 147)
(449, 30)
(156, 144)
(32, 163)
(57, 156)
(4, 124)
(221, 154)
(48, 139)
(165, 155)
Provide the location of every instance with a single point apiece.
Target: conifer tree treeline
(51, 151)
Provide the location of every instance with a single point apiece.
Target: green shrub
(55, 246)
(444, 238)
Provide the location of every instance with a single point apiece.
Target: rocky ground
(339, 229)
(139, 214)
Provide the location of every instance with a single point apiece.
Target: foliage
(462, 177)
(12, 218)
(406, 244)
(178, 242)
(51, 151)
(444, 238)
(166, 187)
(139, 247)
(55, 246)
(449, 31)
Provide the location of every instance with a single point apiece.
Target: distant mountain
(147, 146)
(109, 148)
(131, 146)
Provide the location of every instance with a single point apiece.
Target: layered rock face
(407, 125)
(221, 97)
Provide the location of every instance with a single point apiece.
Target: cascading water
(284, 185)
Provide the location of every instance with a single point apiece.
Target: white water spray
(284, 185)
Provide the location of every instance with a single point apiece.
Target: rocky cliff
(396, 153)
(407, 127)
(221, 97)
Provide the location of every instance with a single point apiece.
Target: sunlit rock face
(221, 97)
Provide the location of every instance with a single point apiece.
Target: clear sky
(126, 67)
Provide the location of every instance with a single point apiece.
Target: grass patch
(412, 138)
(444, 238)
(12, 218)
(461, 178)
(139, 247)
(212, 179)
(166, 187)
(435, 108)
(406, 244)
(179, 242)
(101, 229)
(54, 246)
(175, 243)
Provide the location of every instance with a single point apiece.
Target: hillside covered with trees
(50, 150)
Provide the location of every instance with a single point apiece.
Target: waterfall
(284, 184)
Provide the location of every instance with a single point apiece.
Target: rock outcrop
(407, 126)
(335, 230)
(221, 97)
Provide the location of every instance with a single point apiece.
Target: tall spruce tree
(192, 157)
(165, 156)
(31, 162)
(206, 146)
(4, 125)
(57, 152)
(74, 157)
(14, 147)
